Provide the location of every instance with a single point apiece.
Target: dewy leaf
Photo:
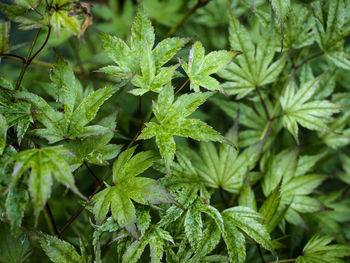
(155, 237)
(298, 109)
(318, 250)
(4, 36)
(200, 67)
(127, 186)
(43, 163)
(59, 251)
(256, 65)
(3, 133)
(131, 59)
(172, 121)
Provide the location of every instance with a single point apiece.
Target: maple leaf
(172, 121)
(200, 67)
(127, 186)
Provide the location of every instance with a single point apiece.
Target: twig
(183, 85)
(260, 254)
(199, 4)
(52, 224)
(93, 174)
(308, 59)
(263, 102)
(14, 56)
(221, 191)
(29, 59)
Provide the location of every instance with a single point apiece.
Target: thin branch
(52, 224)
(199, 4)
(183, 85)
(263, 103)
(308, 59)
(221, 191)
(42, 46)
(260, 254)
(93, 174)
(14, 56)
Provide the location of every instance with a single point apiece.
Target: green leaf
(235, 242)
(155, 237)
(127, 186)
(200, 67)
(249, 222)
(3, 133)
(134, 59)
(331, 29)
(59, 251)
(247, 196)
(16, 202)
(4, 36)
(72, 125)
(13, 248)
(43, 163)
(193, 225)
(269, 208)
(172, 121)
(318, 250)
(62, 18)
(226, 168)
(298, 109)
(256, 66)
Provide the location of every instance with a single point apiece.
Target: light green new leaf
(140, 54)
(200, 67)
(4, 36)
(318, 250)
(247, 196)
(298, 109)
(127, 186)
(62, 18)
(148, 80)
(3, 133)
(256, 66)
(172, 121)
(59, 251)
(155, 237)
(43, 163)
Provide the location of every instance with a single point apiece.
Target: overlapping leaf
(127, 186)
(43, 164)
(256, 66)
(172, 121)
(299, 109)
(71, 123)
(140, 58)
(201, 66)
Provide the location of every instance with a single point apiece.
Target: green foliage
(80, 180)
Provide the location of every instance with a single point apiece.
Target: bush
(103, 147)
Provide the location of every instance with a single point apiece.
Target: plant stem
(29, 59)
(51, 220)
(263, 102)
(199, 4)
(93, 174)
(260, 254)
(221, 191)
(183, 85)
(308, 59)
